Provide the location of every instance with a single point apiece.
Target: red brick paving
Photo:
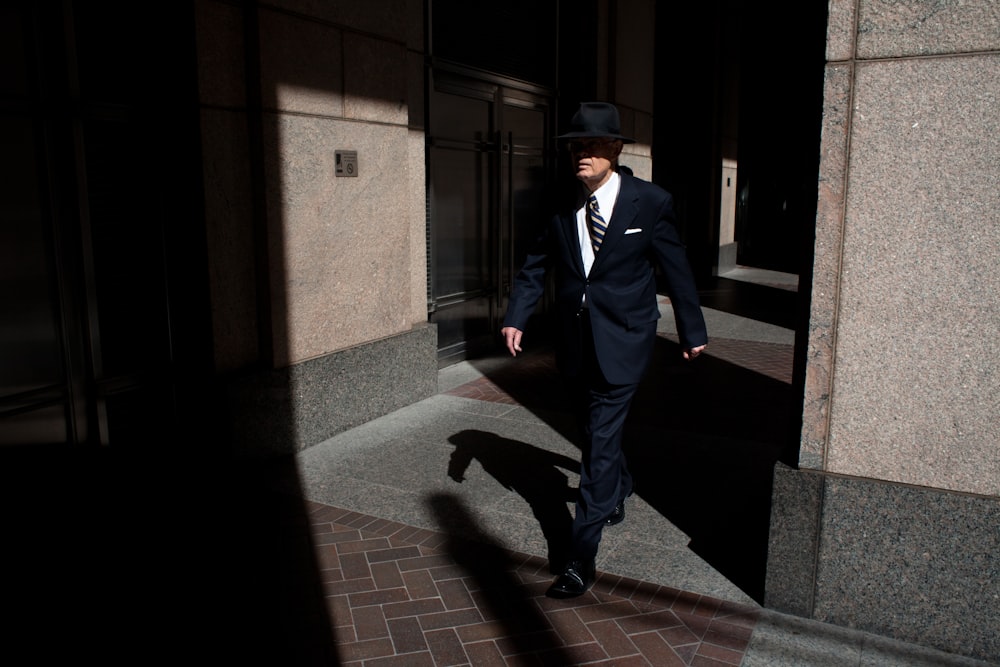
(397, 595)
(771, 359)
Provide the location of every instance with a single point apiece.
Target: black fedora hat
(596, 119)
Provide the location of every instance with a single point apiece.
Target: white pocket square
(634, 230)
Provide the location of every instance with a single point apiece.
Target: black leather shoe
(617, 514)
(574, 581)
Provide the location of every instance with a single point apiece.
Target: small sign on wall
(346, 163)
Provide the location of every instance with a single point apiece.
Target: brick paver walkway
(399, 595)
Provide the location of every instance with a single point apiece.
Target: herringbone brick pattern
(399, 595)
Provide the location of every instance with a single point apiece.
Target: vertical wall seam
(838, 279)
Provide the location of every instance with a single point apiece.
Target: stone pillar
(892, 523)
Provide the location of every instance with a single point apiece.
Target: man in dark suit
(603, 250)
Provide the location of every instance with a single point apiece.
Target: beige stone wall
(342, 258)
(902, 381)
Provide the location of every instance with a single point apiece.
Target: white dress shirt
(607, 195)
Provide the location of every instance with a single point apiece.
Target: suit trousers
(604, 477)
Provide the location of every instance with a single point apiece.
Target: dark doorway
(491, 109)
(742, 81)
(488, 166)
(780, 100)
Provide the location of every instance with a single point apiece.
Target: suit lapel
(571, 231)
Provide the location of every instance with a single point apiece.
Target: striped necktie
(597, 224)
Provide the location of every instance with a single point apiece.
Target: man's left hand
(693, 352)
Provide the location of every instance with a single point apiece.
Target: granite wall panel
(388, 19)
(290, 409)
(375, 84)
(339, 246)
(840, 35)
(221, 54)
(892, 29)
(301, 65)
(915, 564)
(919, 565)
(917, 392)
(796, 506)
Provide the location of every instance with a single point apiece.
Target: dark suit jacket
(621, 288)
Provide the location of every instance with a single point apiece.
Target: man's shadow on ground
(533, 473)
(702, 439)
(500, 594)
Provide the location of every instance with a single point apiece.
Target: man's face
(592, 159)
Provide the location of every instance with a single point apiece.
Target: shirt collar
(607, 194)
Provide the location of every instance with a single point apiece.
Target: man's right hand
(512, 336)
